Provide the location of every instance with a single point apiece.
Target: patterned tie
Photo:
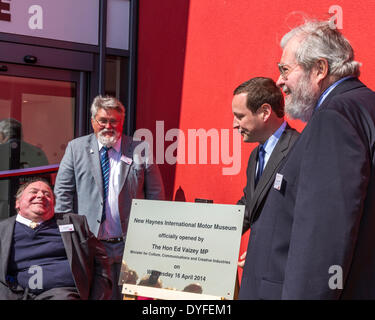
(261, 155)
(104, 162)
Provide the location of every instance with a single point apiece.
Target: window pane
(36, 124)
(36, 121)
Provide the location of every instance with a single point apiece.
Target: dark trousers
(18, 293)
(115, 251)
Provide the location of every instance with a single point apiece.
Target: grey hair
(11, 128)
(106, 103)
(319, 39)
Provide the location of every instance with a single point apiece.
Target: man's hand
(241, 261)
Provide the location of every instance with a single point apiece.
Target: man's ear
(265, 111)
(321, 69)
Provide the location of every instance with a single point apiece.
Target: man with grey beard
(314, 237)
(103, 172)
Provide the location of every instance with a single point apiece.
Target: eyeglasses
(103, 122)
(285, 69)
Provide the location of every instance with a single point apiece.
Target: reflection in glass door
(36, 123)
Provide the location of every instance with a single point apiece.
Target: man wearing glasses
(101, 173)
(315, 236)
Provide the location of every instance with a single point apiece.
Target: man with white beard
(104, 171)
(314, 237)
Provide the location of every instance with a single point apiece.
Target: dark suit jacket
(253, 198)
(86, 255)
(323, 217)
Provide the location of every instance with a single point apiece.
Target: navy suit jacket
(322, 220)
(254, 197)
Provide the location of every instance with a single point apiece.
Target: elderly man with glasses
(101, 173)
(314, 238)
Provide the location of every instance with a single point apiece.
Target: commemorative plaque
(182, 250)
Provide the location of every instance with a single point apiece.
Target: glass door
(38, 108)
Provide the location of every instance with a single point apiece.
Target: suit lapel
(252, 168)
(92, 150)
(126, 151)
(76, 252)
(5, 243)
(62, 219)
(278, 154)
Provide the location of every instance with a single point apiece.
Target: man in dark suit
(258, 109)
(314, 237)
(48, 256)
(104, 171)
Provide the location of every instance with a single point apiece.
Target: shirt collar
(116, 147)
(329, 90)
(25, 221)
(271, 142)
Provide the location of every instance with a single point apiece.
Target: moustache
(285, 89)
(108, 131)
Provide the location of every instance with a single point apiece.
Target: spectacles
(103, 122)
(285, 69)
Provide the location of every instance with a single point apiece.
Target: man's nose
(235, 123)
(280, 82)
(40, 194)
(108, 125)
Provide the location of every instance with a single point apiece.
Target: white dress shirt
(111, 227)
(271, 143)
(27, 222)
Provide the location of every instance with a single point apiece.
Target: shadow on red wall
(161, 59)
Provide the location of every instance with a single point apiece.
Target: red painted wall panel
(192, 54)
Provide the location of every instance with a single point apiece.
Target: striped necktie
(104, 162)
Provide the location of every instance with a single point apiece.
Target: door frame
(80, 116)
(78, 77)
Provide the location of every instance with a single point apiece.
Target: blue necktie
(104, 162)
(261, 155)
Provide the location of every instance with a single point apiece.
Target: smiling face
(107, 126)
(300, 86)
(36, 202)
(249, 124)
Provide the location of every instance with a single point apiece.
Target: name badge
(278, 181)
(127, 160)
(66, 228)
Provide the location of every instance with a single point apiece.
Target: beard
(108, 142)
(301, 101)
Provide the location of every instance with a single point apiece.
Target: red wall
(192, 54)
